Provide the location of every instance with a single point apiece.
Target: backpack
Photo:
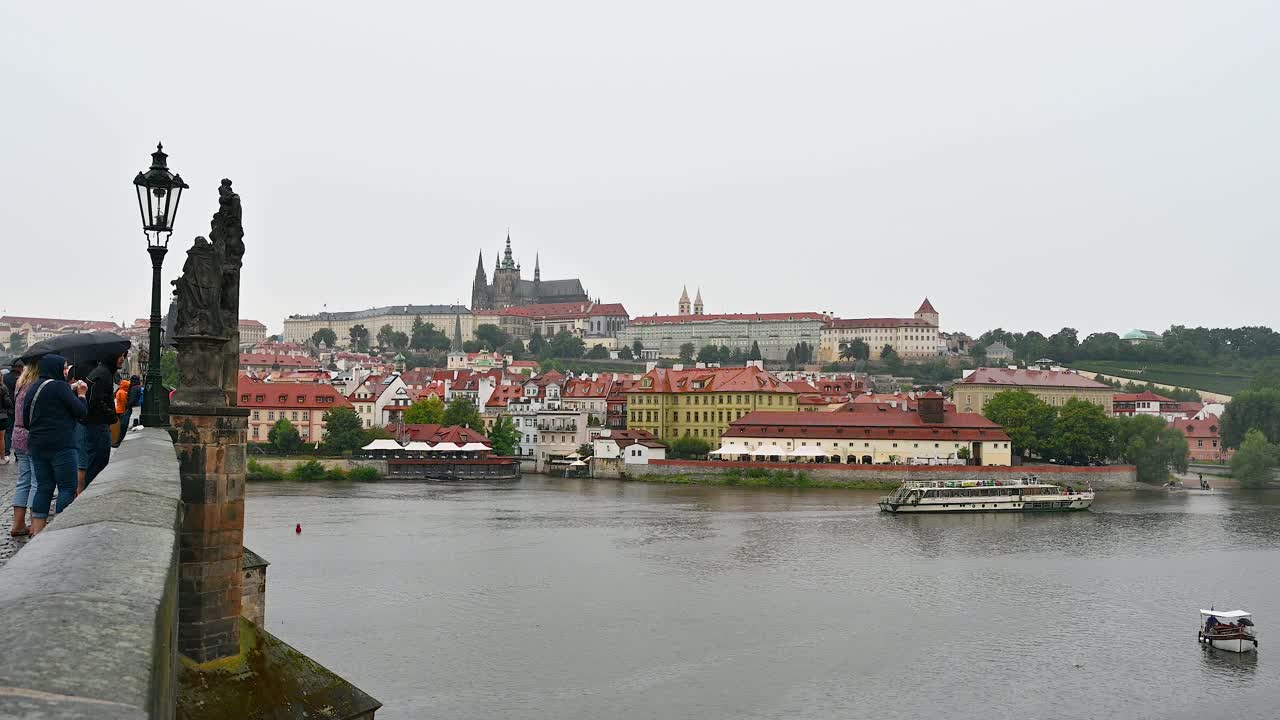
(6, 401)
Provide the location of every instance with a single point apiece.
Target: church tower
(697, 303)
(684, 301)
(927, 313)
(456, 343)
(480, 287)
(537, 277)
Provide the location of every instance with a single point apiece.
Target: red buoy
(298, 529)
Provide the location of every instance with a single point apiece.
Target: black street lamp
(158, 194)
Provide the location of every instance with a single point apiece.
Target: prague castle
(508, 289)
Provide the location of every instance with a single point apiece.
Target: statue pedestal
(210, 442)
(200, 369)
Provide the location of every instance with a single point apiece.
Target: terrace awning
(419, 446)
(474, 447)
(447, 447)
(383, 444)
(769, 451)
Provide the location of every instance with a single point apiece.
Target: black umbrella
(79, 348)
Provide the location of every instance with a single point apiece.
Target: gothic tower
(697, 303)
(927, 313)
(684, 301)
(505, 280)
(480, 287)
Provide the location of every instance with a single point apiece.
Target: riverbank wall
(1110, 477)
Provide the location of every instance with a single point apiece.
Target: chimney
(931, 409)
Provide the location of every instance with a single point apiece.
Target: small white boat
(1230, 630)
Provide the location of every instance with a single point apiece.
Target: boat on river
(1230, 630)
(1025, 494)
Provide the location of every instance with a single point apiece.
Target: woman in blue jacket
(51, 411)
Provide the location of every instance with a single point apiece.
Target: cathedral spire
(480, 268)
(457, 334)
(507, 262)
(684, 300)
(537, 268)
(697, 303)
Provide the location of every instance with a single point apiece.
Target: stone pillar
(210, 442)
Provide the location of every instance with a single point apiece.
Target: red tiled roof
(926, 307)
(735, 379)
(1144, 396)
(750, 317)
(432, 433)
(289, 361)
(851, 323)
(567, 310)
(504, 394)
(801, 386)
(1209, 427)
(883, 423)
(1031, 378)
(252, 324)
(12, 320)
(625, 438)
(587, 388)
(303, 396)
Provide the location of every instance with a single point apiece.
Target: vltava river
(599, 599)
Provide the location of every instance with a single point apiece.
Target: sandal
(20, 533)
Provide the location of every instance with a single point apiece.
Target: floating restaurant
(437, 452)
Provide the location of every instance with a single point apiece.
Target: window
(244, 398)
(271, 415)
(259, 398)
(306, 414)
(255, 432)
(255, 415)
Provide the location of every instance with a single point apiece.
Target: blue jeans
(82, 453)
(26, 482)
(53, 467)
(97, 446)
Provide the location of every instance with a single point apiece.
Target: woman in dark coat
(51, 410)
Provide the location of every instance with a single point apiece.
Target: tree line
(1179, 345)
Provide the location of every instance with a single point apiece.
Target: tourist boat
(1230, 630)
(1026, 494)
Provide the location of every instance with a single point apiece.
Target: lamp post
(158, 194)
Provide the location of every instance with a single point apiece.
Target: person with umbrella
(100, 417)
(51, 408)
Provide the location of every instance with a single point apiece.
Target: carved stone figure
(198, 292)
(207, 309)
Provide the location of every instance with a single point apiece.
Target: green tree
(637, 349)
(359, 338)
(424, 336)
(384, 336)
(585, 450)
(462, 411)
(284, 436)
(1267, 375)
(709, 354)
(326, 336)
(427, 411)
(1252, 410)
(1255, 462)
(625, 353)
(169, 369)
(686, 352)
(343, 431)
(492, 336)
(598, 352)
(377, 433)
(791, 358)
(855, 350)
(536, 343)
(18, 343)
(755, 351)
(566, 345)
(688, 447)
(505, 436)
(1026, 418)
(399, 340)
(1147, 443)
(1083, 433)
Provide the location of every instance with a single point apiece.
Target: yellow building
(702, 403)
(868, 434)
(1055, 387)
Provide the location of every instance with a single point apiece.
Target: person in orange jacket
(122, 410)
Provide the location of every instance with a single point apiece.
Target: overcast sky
(1103, 165)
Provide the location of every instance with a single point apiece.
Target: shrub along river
(552, 598)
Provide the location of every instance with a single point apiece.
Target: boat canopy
(1226, 614)
(382, 444)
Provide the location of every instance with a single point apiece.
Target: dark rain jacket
(51, 408)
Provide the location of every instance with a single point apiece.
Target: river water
(555, 598)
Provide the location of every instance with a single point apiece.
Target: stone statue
(227, 232)
(207, 310)
(198, 291)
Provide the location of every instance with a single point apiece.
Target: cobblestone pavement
(8, 484)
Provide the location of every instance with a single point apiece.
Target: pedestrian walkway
(8, 485)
